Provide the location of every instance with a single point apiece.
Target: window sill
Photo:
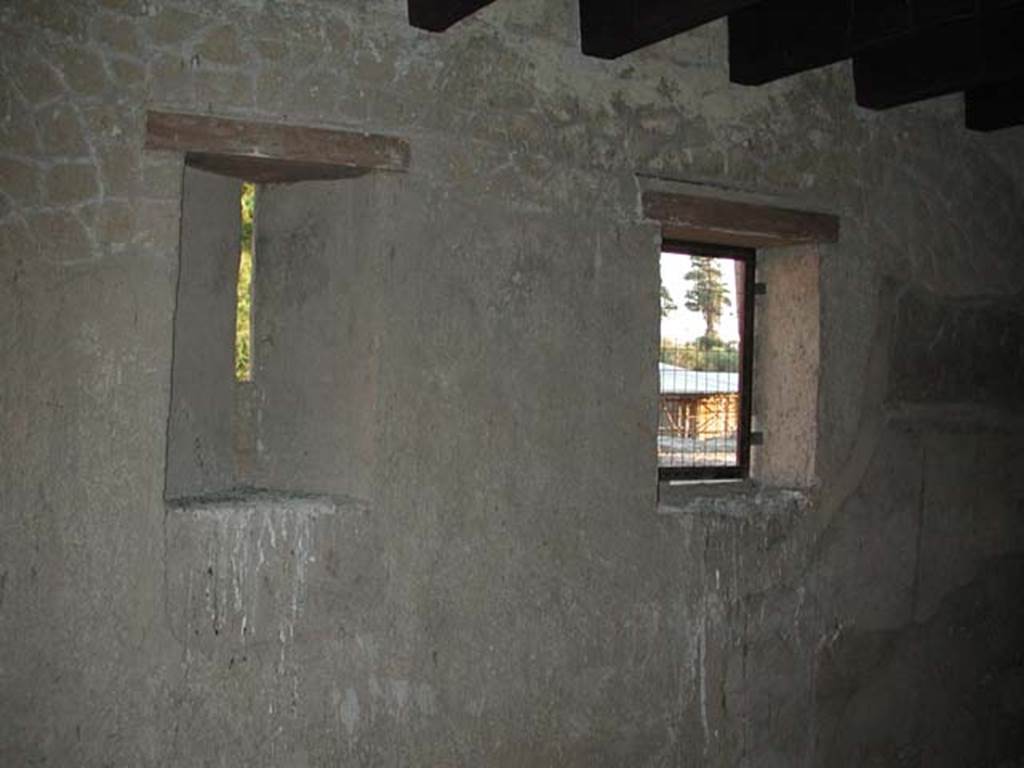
(729, 498)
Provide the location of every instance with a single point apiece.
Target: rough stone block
(118, 34)
(127, 73)
(172, 25)
(114, 223)
(62, 132)
(161, 176)
(171, 77)
(21, 181)
(60, 236)
(38, 80)
(120, 171)
(70, 184)
(63, 18)
(83, 70)
(110, 123)
(221, 46)
(18, 133)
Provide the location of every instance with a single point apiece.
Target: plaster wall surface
(323, 259)
(200, 428)
(492, 579)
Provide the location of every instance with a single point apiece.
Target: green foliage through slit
(243, 300)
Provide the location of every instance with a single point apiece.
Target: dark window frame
(745, 293)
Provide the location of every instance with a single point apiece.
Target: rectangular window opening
(243, 295)
(705, 362)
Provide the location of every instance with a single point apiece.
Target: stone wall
(505, 589)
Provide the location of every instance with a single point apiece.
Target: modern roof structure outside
(684, 381)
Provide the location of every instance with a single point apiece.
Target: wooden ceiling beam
(772, 40)
(612, 28)
(995, 106)
(945, 59)
(438, 15)
(778, 38)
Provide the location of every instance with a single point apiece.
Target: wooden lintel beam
(262, 170)
(273, 151)
(945, 59)
(995, 106)
(728, 222)
(613, 28)
(438, 15)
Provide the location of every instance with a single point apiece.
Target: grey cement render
(326, 251)
(504, 587)
(200, 428)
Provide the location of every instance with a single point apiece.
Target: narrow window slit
(243, 296)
